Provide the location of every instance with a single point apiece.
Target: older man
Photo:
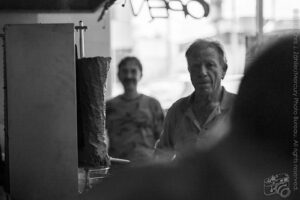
(190, 120)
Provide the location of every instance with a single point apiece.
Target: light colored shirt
(133, 126)
(182, 131)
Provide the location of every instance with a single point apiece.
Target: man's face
(129, 74)
(206, 70)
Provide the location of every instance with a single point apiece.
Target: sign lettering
(191, 8)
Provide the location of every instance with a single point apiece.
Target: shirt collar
(225, 99)
(190, 114)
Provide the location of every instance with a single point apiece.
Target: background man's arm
(164, 148)
(158, 119)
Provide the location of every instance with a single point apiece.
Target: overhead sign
(196, 9)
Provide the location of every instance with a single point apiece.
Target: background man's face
(206, 70)
(129, 74)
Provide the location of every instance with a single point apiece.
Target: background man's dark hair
(131, 60)
(203, 43)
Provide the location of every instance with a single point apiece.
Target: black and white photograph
(149, 99)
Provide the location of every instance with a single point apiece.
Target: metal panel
(42, 121)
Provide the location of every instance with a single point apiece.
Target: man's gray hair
(204, 43)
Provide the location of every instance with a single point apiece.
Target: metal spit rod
(81, 29)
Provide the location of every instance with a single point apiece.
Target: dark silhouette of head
(264, 109)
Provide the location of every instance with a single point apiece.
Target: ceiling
(52, 5)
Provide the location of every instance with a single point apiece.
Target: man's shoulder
(230, 95)
(181, 105)
(182, 101)
(114, 100)
(228, 100)
(150, 100)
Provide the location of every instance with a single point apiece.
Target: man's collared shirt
(182, 130)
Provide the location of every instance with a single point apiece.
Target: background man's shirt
(133, 126)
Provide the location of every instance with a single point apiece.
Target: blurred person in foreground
(257, 158)
(2, 191)
(134, 120)
(190, 119)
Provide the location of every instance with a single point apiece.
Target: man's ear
(224, 70)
